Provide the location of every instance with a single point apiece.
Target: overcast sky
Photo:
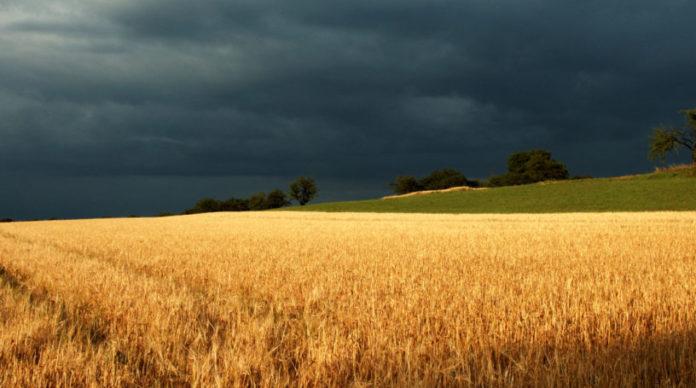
(117, 107)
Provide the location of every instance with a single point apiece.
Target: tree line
(437, 180)
(523, 168)
(303, 190)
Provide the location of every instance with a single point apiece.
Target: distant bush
(437, 180)
(443, 179)
(235, 205)
(509, 179)
(404, 184)
(475, 183)
(206, 205)
(530, 167)
(6, 220)
(276, 199)
(257, 201)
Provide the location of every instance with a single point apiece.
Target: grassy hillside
(666, 190)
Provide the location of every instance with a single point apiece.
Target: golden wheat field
(318, 299)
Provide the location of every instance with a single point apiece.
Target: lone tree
(303, 190)
(668, 139)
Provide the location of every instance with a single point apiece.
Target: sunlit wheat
(280, 298)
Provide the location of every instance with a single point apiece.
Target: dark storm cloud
(358, 90)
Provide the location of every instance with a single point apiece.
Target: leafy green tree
(404, 184)
(257, 201)
(668, 139)
(530, 167)
(303, 190)
(276, 199)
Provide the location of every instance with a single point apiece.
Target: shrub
(235, 205)
(404, 184)
(276, 199)
(207, 205)
(257, 201)
(443, 179)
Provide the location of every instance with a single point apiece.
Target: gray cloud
(353, 91)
